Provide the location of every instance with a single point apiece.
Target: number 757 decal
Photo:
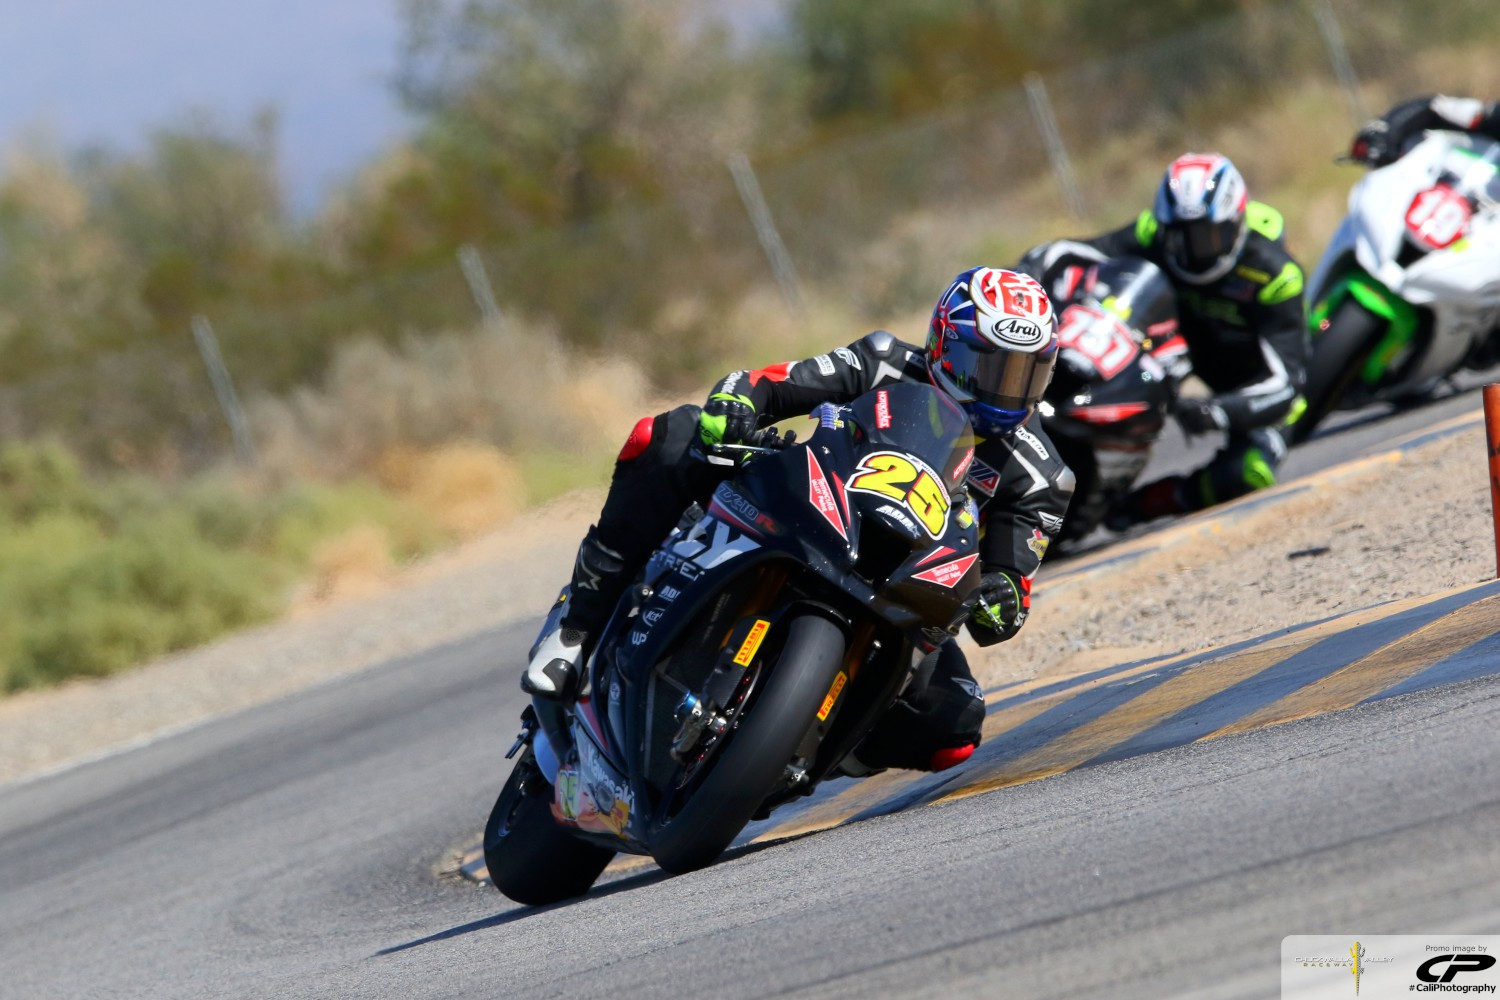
(913, 483)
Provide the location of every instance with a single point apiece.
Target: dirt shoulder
(1396, 526)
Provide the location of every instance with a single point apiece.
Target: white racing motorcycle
(1408, 292)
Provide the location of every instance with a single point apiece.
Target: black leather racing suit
(1018, 481)
(1247, 341)
(1385, 139)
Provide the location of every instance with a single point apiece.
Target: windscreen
(1475, 171)
(921, 421)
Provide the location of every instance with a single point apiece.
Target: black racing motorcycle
(1120, 360)
(759, 646)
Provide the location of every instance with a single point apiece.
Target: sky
(106, 72)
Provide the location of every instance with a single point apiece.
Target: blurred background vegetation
(578, 151)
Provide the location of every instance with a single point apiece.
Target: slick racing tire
(783, 709)
(1338, 354)
(530, 858)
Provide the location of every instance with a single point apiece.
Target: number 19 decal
(912, 483)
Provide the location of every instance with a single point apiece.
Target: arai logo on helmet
(1012, 308)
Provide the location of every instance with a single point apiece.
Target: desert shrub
(96, 577)
(305, 514)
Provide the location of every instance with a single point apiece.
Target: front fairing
(1128, 410)
(1108, 388)
(1393, 238)
(796, 525)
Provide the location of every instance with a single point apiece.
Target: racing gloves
(727, 418)
(1003, 601)
(1201, 416)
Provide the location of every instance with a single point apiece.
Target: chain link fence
(881, 219)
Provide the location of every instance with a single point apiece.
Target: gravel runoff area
(1406, 526)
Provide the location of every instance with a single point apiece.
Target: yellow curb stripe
(868, 792)
(1384, 668)
(1125, 721)
(841, 808)
(1196, 684)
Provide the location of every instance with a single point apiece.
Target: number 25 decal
(887, 474)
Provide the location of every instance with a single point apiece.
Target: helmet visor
(1199, 244)
(1009, 380)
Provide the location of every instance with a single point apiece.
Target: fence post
(1328, 25)
(218, 374)
(765, 230)
(1057, 153)
(479, 284)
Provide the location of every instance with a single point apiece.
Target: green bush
(99, 577)
(308, 513)
(39, 478)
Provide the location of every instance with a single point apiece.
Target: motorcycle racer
(1240, 310)
(1386, 139)
(991, 345)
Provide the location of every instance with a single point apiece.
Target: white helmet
(1200, 210)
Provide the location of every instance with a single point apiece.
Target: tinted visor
(1009, 380)
(1199, 244)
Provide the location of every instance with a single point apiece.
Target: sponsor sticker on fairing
(947, 574)
(898, 515)
(883, 410)
(963, 465)
(820, 494)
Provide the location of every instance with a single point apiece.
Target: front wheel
(1338, 354)
(530, 858)
(760, 747)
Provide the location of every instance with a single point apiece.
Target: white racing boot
(555, 668)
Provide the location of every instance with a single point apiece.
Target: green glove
(1001, 610)
(726, 419)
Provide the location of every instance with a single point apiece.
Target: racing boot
(556, 666)
(1147, 503)
(931, 727)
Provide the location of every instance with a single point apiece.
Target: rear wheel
(530, 858)
(1338, 354)
(743, 772)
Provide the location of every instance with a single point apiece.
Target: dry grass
(353, 564)
(467, 487)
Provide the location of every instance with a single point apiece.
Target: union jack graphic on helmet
(991, 345)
